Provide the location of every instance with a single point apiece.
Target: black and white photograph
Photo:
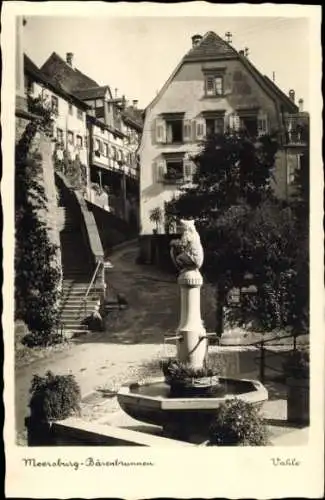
(165, 191)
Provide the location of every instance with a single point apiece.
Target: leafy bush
(54, 397)
(238, 423)
(38, 339)
(296, 364)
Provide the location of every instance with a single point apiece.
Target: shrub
(54, 397)
(238, 423)
(296, 364)
(38, 339)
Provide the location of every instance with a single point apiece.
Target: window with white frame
(79, 141)
(214, 85)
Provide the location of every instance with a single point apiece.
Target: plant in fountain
(184, 380)
(238, 423)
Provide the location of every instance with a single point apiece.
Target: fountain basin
(154, 403)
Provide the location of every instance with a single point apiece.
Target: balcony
(296, 130)
(114, 165)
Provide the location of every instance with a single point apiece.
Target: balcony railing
(116, 165)
(296, 130)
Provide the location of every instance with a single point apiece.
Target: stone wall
(42, 145)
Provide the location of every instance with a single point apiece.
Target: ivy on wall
(37, 278)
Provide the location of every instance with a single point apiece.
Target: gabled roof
(37, 75)
(92, 92)
(70, 78)
(210, 47)
(281, 94)
(134, 116)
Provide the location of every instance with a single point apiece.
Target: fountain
(184, 401)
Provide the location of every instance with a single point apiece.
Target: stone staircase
(77, 274)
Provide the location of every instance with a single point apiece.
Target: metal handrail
(264, 351)
(91, 282)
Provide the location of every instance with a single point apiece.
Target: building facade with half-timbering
(114, 129)
(213, 88)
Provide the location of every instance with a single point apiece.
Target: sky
(136, 55)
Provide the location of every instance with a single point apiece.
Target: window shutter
(200, 129)
(219, 125)
(234, 122)
(160, 130)
(262, 124)
(187, 130)
(188, 169)
(159, 170)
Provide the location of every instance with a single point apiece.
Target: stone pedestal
(192, 344)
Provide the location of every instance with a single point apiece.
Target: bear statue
(187, 252)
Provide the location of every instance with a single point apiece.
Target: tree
(156, 216)
(232, 202)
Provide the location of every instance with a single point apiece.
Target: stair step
(70, 325)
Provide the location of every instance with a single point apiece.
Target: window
(249, 125)
(97, 147)
(70, 109)
(59, 135)
(70, 138)
(114, 153)
(213, 85)
(55, 104)
(174, 129)
(174, 170)
(79, 114)
(79, 141)
(214, 126)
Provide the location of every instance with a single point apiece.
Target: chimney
(69, 58)
(301, 105)
(135, 103)
(116, 93)
(241, 52)
(196, 39)
(292, 95)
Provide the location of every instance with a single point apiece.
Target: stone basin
(151, 402)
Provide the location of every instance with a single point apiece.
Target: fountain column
(191, 335)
